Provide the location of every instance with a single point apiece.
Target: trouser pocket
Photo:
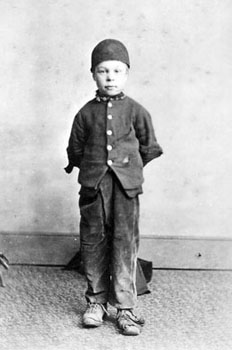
(91, 211)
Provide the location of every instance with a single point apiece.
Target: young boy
(112, 138)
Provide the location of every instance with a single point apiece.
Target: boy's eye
(100, 70)
(118, 70)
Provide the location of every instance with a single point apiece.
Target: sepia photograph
(116, 175)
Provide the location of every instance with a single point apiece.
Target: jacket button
(109, 162)
(110, 104)
(109, 116)
(109, 147)
(109, 132)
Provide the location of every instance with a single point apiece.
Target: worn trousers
(109, 237)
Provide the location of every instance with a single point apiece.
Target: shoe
(94, 314)
(129, 323)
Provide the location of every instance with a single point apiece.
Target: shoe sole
(131, 330)
(131, 333)
(91, 323)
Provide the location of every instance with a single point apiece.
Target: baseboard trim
(165, 252)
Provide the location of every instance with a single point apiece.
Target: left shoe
(128, 323)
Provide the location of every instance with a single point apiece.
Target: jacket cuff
(148, 156)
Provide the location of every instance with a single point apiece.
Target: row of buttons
(109, 133)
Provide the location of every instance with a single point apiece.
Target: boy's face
(111, 77)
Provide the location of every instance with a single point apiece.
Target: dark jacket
(115, 134)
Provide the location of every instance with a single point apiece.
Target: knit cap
(107, 50)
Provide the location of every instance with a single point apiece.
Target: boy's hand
(69, 168)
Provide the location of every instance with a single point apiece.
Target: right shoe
(94, 314)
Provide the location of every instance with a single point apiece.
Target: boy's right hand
(69, 168)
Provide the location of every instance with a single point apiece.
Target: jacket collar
(104, 98)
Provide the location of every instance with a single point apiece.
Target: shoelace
(130, 316)
(94, 306)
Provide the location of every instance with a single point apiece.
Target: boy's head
(109, 50)
(110, 66)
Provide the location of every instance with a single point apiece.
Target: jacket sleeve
(148, 145)
(76, 143)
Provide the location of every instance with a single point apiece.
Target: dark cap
(107, 50)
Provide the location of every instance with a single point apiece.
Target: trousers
(109, 240)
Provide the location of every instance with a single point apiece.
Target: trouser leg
(124, 249)
(94, 246)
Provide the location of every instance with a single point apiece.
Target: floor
(41, 307)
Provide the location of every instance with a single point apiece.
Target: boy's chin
(112, 93)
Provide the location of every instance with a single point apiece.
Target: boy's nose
(110, 76)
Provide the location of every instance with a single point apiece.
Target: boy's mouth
(110, 87)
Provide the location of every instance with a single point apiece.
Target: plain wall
(181, 71)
